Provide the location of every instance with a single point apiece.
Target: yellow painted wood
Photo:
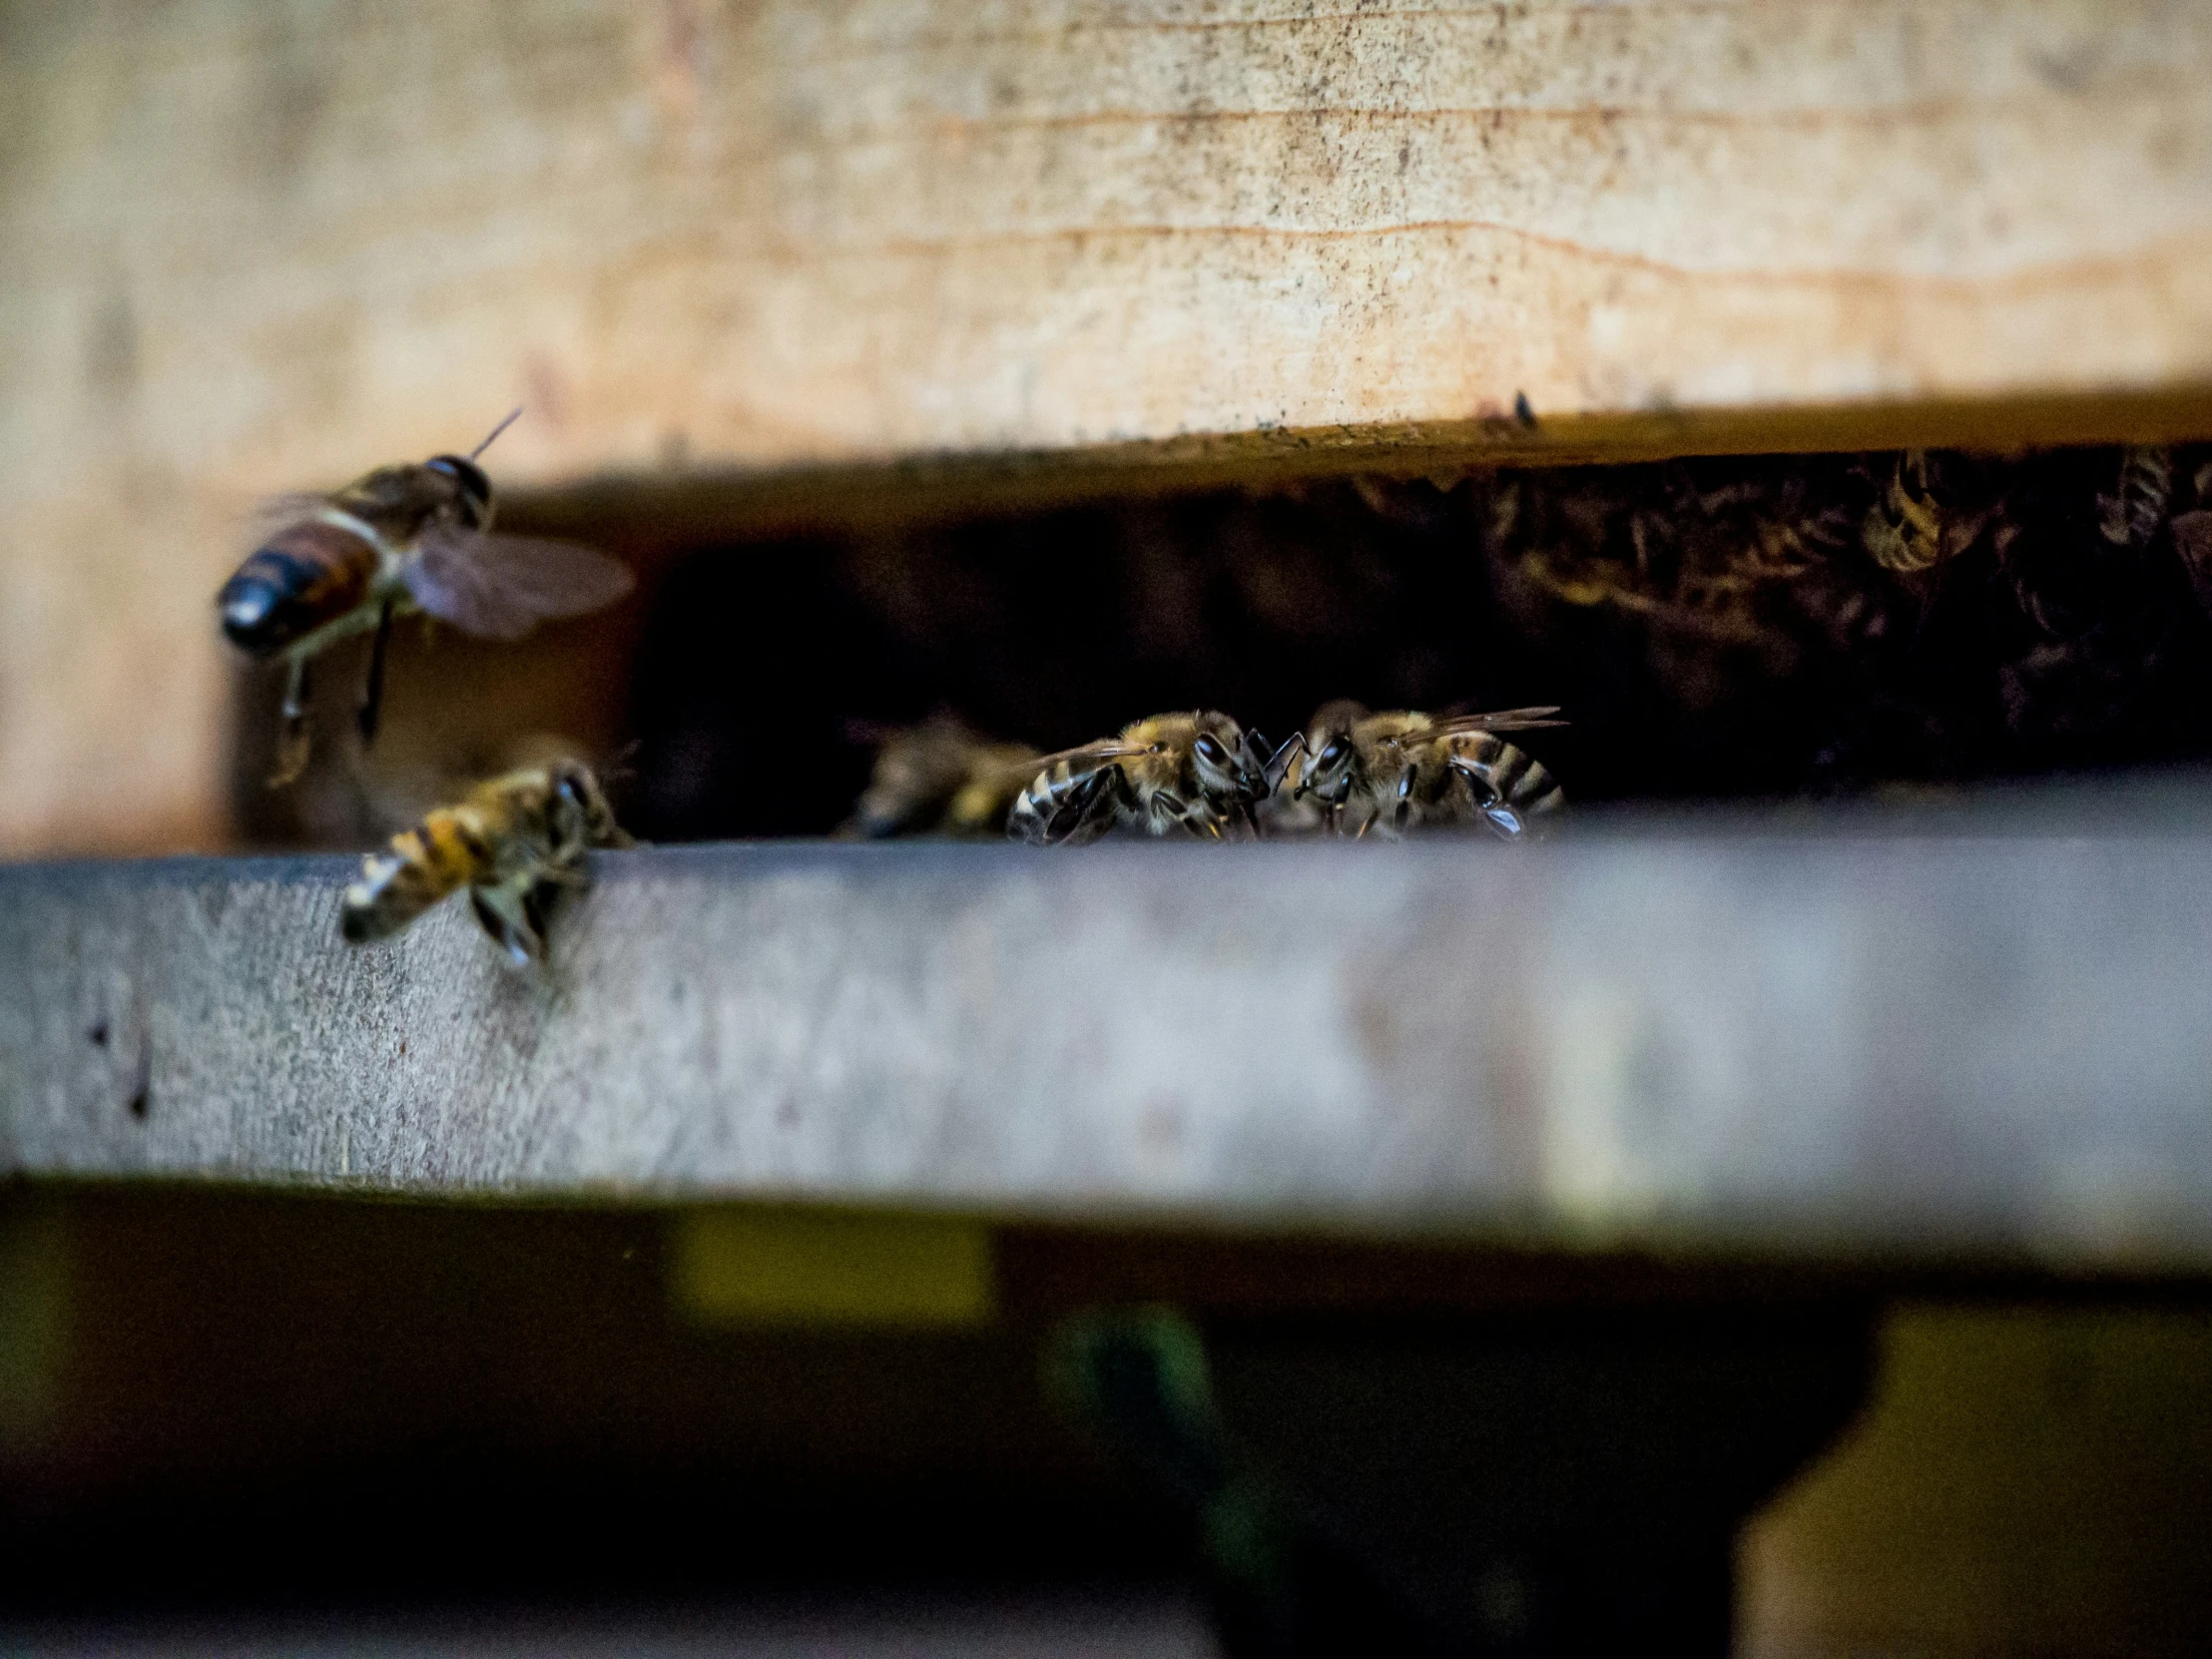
(820, 1266)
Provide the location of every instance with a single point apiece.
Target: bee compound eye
(1212, 752)
(1332, 753)
(475, 488)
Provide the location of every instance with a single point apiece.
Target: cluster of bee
(1201, 773)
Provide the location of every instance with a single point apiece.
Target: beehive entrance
(1722, 628)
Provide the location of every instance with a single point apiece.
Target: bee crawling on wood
(1404, 769)
(1199, 772)
(515, 842)
(940, 778)
(404, 538)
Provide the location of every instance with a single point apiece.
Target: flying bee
(405, 538)
(514, 841)
(1193, 772)
(940, 778)
(1405, 769)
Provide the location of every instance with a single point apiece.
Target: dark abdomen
(305, 575)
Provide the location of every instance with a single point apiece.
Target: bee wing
(273, 513)
(500, 587)
(1502, 719)
(1099, 753)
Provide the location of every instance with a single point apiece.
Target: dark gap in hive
(1715, 629)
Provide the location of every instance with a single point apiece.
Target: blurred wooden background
(264, 244)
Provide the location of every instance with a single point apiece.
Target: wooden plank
(254, 245)
(1984, 1036)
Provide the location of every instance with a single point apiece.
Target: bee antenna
(620, 767)
(513, 415)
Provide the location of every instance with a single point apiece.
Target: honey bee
(1903, 531)
(404, 538)
(2131, 514)
(1405, 769)
(942, 779)
(515, 842)
(1196, 772)
(1926, 513)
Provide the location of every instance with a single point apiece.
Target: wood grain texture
(257, 245)
(1973, 1044)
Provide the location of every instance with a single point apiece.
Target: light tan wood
(257, 245)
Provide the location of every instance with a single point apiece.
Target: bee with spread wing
(409, 537)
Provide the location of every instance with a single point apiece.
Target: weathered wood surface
(1920, 1044)
(264, 245)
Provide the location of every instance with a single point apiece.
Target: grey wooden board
(1985, 1032)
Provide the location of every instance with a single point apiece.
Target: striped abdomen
(446, 852)
(1506, 784)
(1068, 800)
(308, 574)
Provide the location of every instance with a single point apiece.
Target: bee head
(1330, 753)
(577, 793)
(474, 488)
(1225, 763)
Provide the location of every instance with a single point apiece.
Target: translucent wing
(500, 587)
(275, 512)
(1098, 753)
(1502, 719)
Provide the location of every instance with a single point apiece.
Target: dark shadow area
(441, 1526)
(1753, 628)
(227, 1405)
(1717, 628)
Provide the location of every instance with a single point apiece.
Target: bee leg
(538, 905)
(1178, 813)
(1061, 817)
(1198, 820)
(492, 922)
(1083, 812)
(372, 694)
(1114, 804)
(505, 916)
(1496, 814)
(293, 741)
(1100, 803)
